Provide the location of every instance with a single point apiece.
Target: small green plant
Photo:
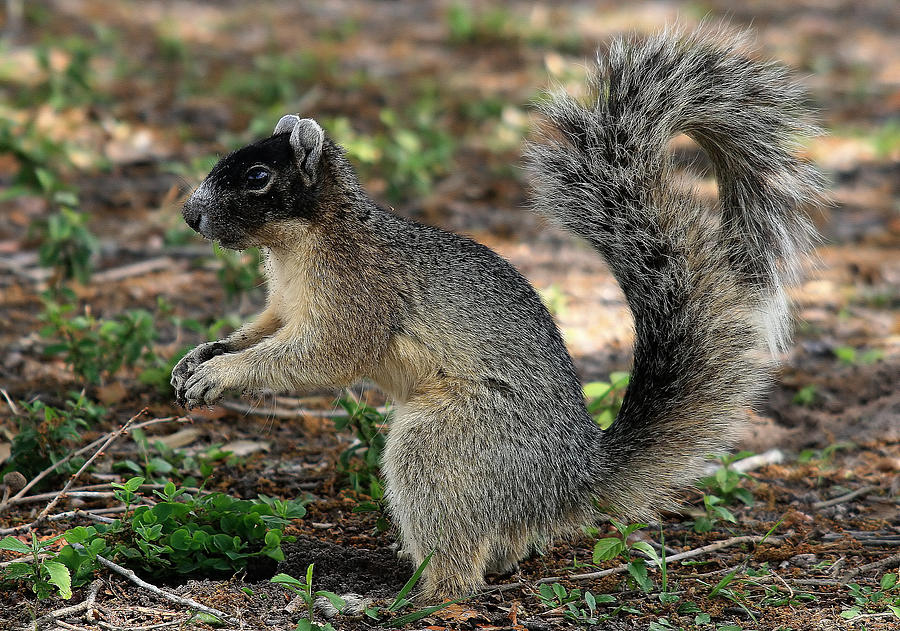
(159, 462)
(849, 355)
(67, 245)
(45, 434)
(276, 79)
(45, 576)
(468, 25)
(611, 547)
(304, 589)
(183, 532)
(71, 85)
(823, 455)
(39, 159)
(723, 489)
(869, 600)
(97, 349)
(400, 602)
(361, 460)
(578, 607)
(408, 154)
(806, 396)
(604, 398)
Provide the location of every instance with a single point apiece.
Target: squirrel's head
(275, 179)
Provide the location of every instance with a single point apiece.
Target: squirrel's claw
(187, 366)
(205, 385)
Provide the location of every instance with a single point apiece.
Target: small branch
(18, 497)
(243, 408)
(92, 515)
(844, 498)
(889, 562)
(112, 437)
(9, 401)
(133, 269)
(151, 627)
(53, 502)
(54, 616)
(153, 589)
(91, 598)
(718, 545)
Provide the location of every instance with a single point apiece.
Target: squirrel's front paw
(207, 383)
(188, 364)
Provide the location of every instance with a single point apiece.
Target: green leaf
(17, 570)
(724, 582)
(647, 549)
(286, 579)
(638, 570)
(207, 618)
(851, 613)
(608, 548)
(560, 591)
(133, 484)
(79, 534)
(590, 600)
(418, 615)
(401, 596)
(59, 576)
(546, 592)
(338, 602)
(888, 581)
(596, 389)
(14, 545)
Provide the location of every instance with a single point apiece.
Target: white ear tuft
(286, 124)
(307, 139)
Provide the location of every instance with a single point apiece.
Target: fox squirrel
(491, 450)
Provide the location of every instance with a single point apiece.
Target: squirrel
(491, 451)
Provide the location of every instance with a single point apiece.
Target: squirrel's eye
(257, 178)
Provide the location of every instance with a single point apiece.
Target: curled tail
(706, 293)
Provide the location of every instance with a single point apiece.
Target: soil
(175, 103)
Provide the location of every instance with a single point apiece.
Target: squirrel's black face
(272, 179)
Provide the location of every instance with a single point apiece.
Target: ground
(126, 106)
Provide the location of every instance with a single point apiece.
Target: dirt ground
(175, 83)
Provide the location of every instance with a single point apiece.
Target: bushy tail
(706, 293)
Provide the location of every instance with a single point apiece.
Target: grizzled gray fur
(491, 451)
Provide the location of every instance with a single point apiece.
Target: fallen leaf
(181, 438)
(246, 447)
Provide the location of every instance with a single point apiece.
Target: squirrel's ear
(287, 123)
(307, 139)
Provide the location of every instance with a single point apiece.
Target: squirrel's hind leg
(440, 498)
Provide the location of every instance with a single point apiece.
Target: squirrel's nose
(191, 214)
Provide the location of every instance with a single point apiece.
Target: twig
(712, 547)
(243, 408)
(112, 437)
(889, 562)
(153, 589)
(91, 598)
(71, 627)
(133, 269)
(92, 515)
(9, 402)
(53, 502)
(53, 616)
(151, 627)
(845, 498)
(17, 498)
